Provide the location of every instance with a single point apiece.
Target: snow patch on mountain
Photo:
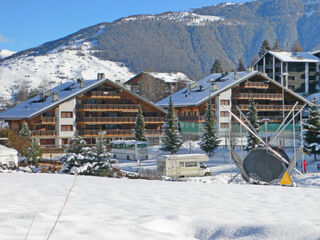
(5, 53)
(188, 18)
(66, 62)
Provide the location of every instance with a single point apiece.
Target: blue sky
(29, 23)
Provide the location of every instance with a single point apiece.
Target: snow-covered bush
(88, 163)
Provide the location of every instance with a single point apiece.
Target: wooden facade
(152, 88)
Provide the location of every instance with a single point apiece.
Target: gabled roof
(65, 91)
(166, 77)
(292, 56)
(197, 95)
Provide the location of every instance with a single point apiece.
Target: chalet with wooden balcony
(229, 91)
(88, 107)
(298, 71)
(155, 86)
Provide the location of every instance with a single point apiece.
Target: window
(224, 114)
(292, 87)
(65, 141)
(224, 102)
(181, 164)
(66, 114)
(291, 78)
(224, 125)
(66, 128)
(191, 164)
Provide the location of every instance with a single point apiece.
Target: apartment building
(298, 71)
(87, 107)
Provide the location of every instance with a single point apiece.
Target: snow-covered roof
(4, 151)
(201, 91)
(65, 91)
(293, 57)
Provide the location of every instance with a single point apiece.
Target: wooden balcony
(103, 94)
(108, 107)
(119, 120)
(43, 133)
(265, 107)
(48, 120)
(262, 85)
(191, 118)
(260, 96)
(119, 132)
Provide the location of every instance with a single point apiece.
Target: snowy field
(198, 208)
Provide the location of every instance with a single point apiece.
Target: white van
(184, 165)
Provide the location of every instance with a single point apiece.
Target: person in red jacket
(305, 164)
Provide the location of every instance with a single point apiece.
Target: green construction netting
(194, 127)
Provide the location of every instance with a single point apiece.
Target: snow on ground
(104, 208)
(66, 62)
(198, 208)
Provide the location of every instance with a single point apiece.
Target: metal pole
(301, 125)
(230, 157)
(266, 130)
(294, 137)
(240, 137)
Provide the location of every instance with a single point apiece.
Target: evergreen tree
(297, 47)
(140, 128)
(241, 67)
(312, 137)
(25, 132)
(172, 140)
(76, 144)
(209, 141)
(252, 116)
(100, 147)
(276, 45)
(216, 68)
(264, 48)
(33, 153)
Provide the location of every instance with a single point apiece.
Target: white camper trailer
(185, 165)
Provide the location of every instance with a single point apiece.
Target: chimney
(235, 75)
(100, 76)
(55, 96)
(214, 86)
(81, 82)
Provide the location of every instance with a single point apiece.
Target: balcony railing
(255, 85)
(269, 96)
(271, 118)
(48, 120)
(191, 118)
(269, 107)
(119, 120)
(104, 94)
(118, 132)
(108, 107)
(43, 133)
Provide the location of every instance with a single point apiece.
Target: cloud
(4, 39)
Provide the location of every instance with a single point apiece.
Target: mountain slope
(186, 42)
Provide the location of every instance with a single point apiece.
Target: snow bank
(103, 208)
(8, 155)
